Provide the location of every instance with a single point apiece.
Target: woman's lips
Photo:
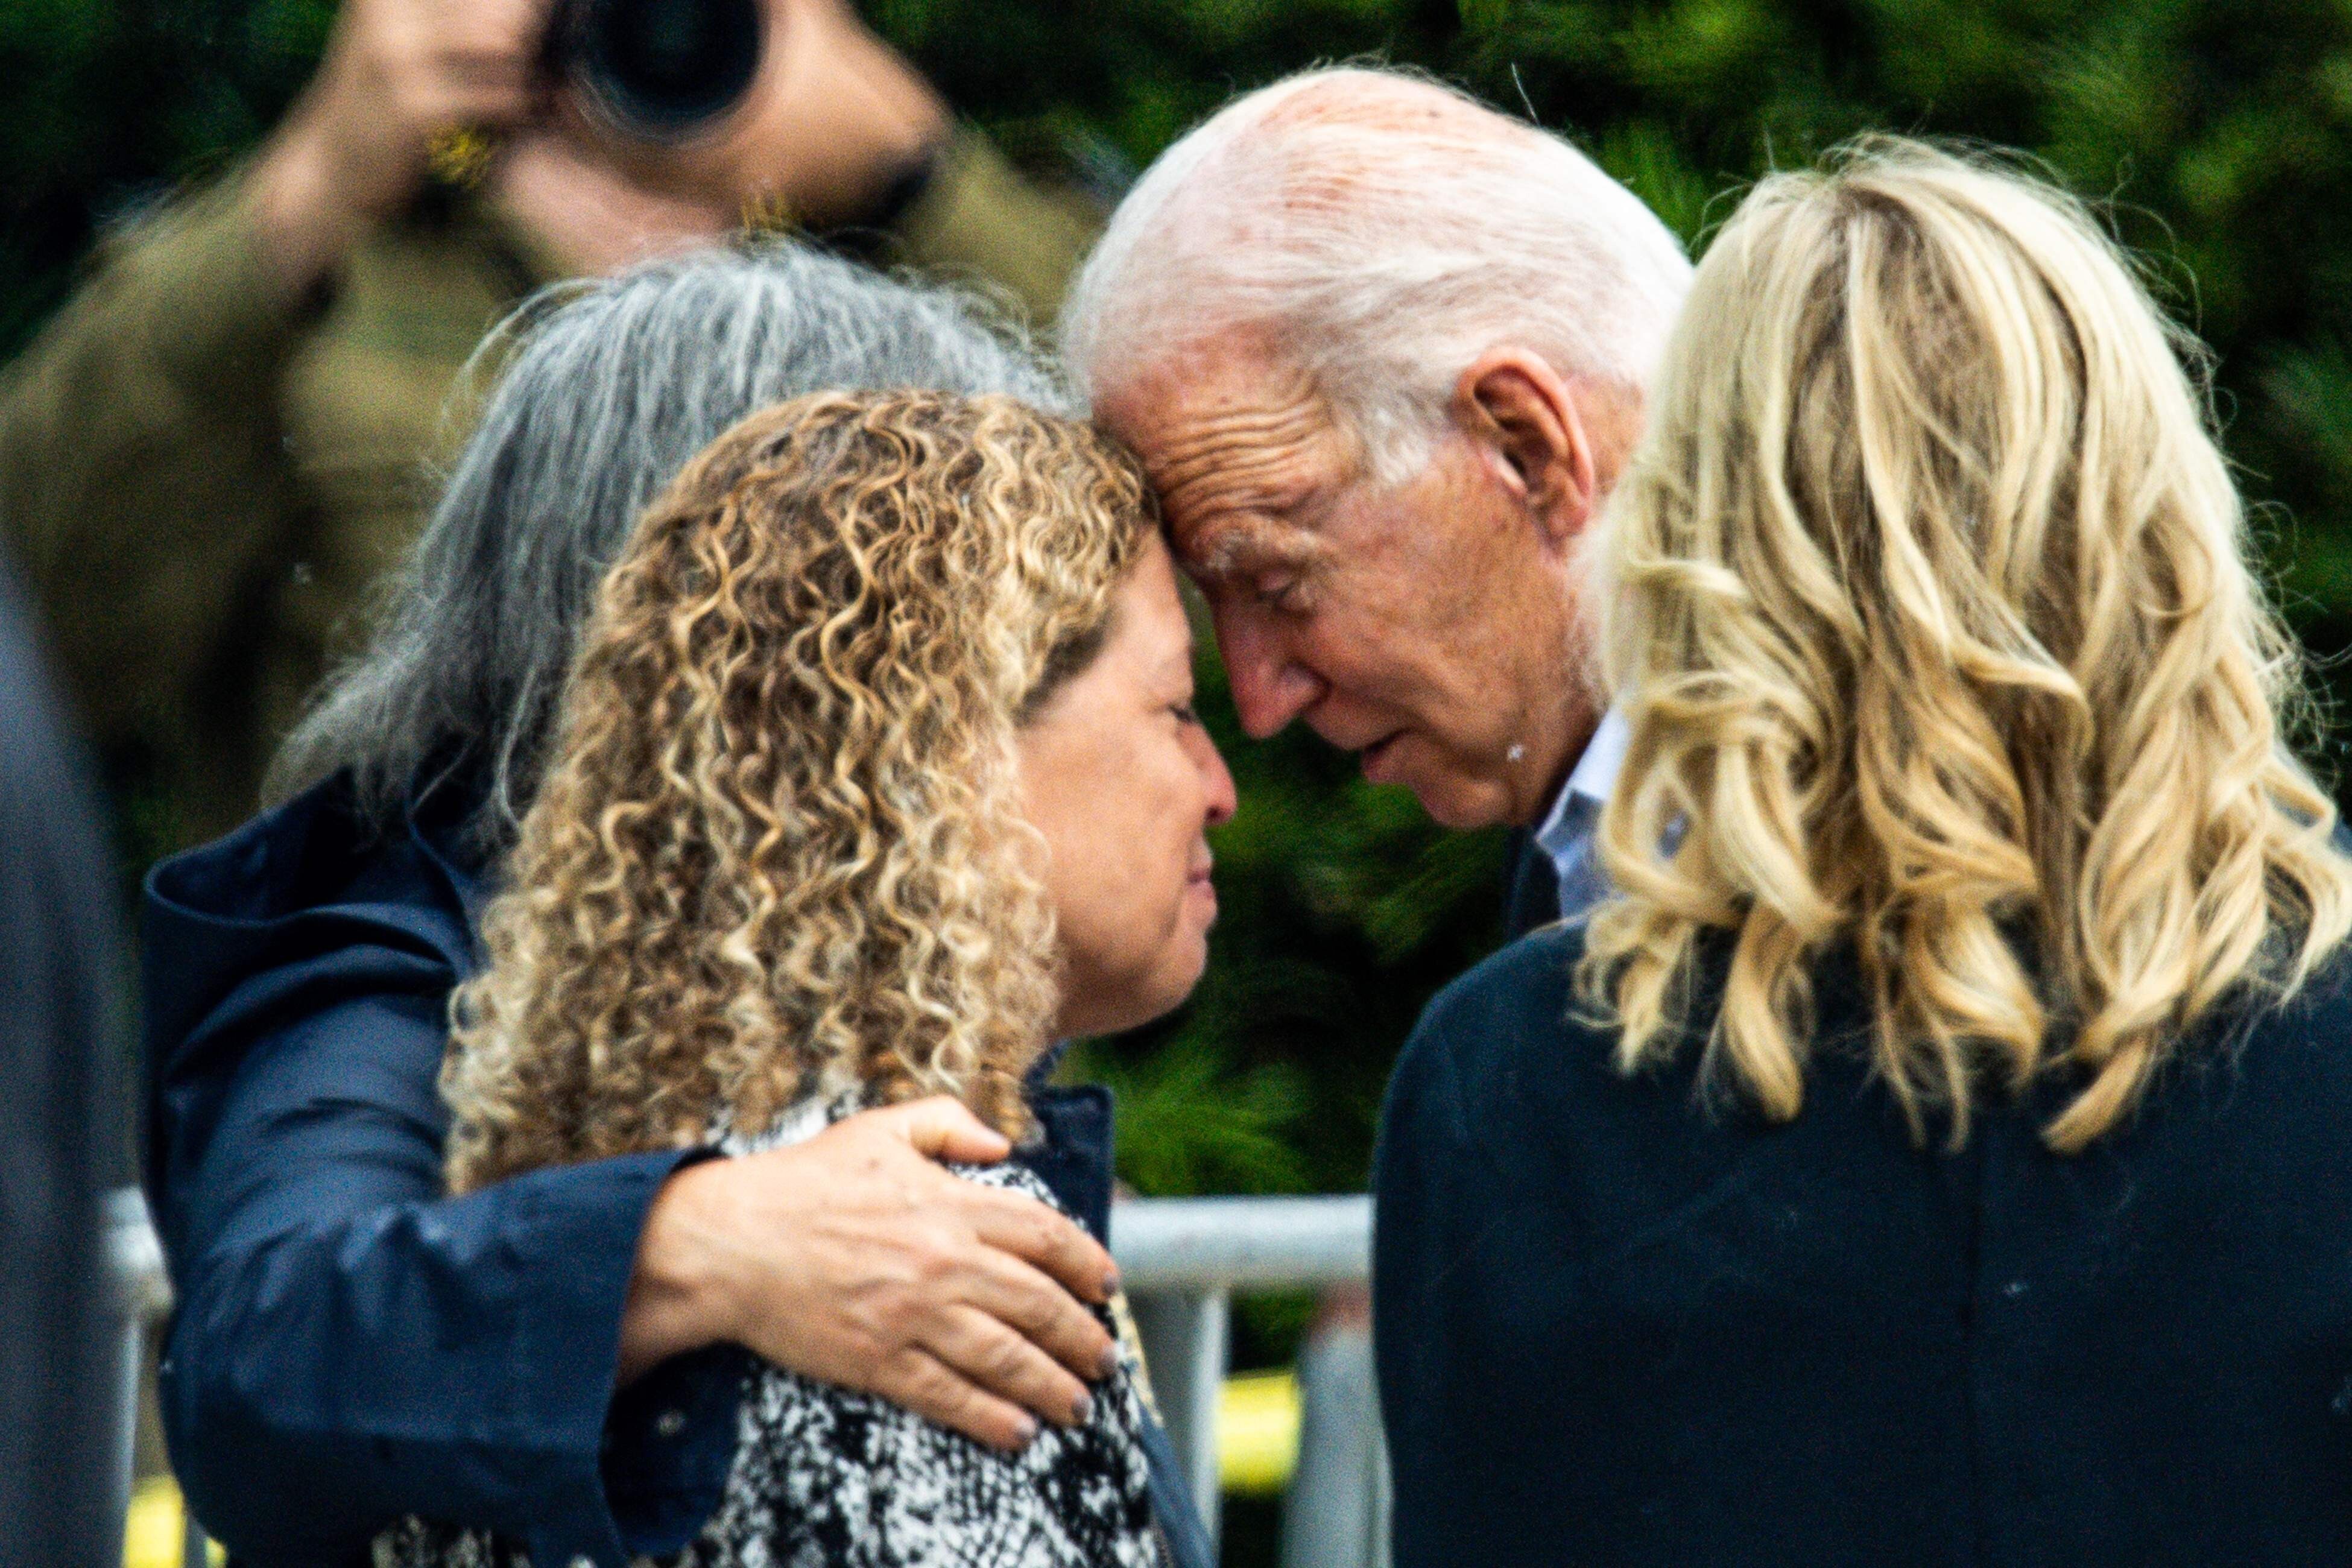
(1197, 885)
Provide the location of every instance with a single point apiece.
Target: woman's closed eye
(1185, 713)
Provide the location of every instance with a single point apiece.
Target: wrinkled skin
(1431, 626)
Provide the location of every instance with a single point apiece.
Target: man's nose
(1270, 686)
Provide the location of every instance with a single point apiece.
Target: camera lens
(664, 67)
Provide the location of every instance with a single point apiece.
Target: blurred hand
(844, 117)
(854, 1259)
(396, 74)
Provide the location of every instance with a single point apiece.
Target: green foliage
(111, 100)
(1192, 1124)
(2217, 135)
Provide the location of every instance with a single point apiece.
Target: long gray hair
(609, 387)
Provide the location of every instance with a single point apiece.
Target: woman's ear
(1515, 406)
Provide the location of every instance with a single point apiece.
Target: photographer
(216, 449)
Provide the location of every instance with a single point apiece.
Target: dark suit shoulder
(1515, 999)
(1482, 1030)
(1513, 1034)
(1505, 1071)
(2320, 1010)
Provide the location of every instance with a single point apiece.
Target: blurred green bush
(2218, 133)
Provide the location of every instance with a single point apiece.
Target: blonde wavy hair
(780, 850)
(1926, 596)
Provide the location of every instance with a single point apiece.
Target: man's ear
(1518, 409)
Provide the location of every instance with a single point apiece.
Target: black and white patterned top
(827, 1478)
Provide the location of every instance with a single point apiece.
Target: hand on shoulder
(854, 1257)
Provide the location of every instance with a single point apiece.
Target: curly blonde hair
(1931, 613)
(780, 851)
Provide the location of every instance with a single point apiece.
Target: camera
(660, 70)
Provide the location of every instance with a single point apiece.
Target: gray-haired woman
(553, 1356)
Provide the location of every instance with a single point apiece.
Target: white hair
(604, 389)
(1383, 230)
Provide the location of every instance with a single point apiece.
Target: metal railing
(143, 1294)
(1181, 1259)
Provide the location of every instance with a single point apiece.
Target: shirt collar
(1590, 782)
(1595, 773)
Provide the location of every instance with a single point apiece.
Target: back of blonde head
(780, 850)
(1932, 615)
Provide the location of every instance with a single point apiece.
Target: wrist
(677, 1299)
(311, 203)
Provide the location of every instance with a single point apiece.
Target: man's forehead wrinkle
(1226, 497)
(1238, 458)
(1241, 441)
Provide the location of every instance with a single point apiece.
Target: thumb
(943, 1128)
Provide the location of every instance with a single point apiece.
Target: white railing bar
(1180, 1260)
(134, 1257)
(1242, 1244)
(1160, 1244)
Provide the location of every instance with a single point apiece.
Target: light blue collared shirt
(1567, 832)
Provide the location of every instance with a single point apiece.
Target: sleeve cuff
(652, 1460)
(670, 1445)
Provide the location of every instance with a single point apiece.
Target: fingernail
(1083, 1411)
(1108, 1363)
(1027, 1432)
(1111, 1283)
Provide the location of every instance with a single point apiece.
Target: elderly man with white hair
(1384, 352)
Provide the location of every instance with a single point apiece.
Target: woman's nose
(1220, 800)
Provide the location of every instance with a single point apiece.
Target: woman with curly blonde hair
(1935, 1148)
(876, 773)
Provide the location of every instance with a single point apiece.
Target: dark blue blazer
(350, 1345)
(1613, 1327)
(1532, 887)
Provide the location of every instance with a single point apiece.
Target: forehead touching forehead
(1151, 619)
(1242, 450)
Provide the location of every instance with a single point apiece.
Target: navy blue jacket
(350, 1345)
(1613, 1329)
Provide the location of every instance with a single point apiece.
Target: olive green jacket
(203, 486)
